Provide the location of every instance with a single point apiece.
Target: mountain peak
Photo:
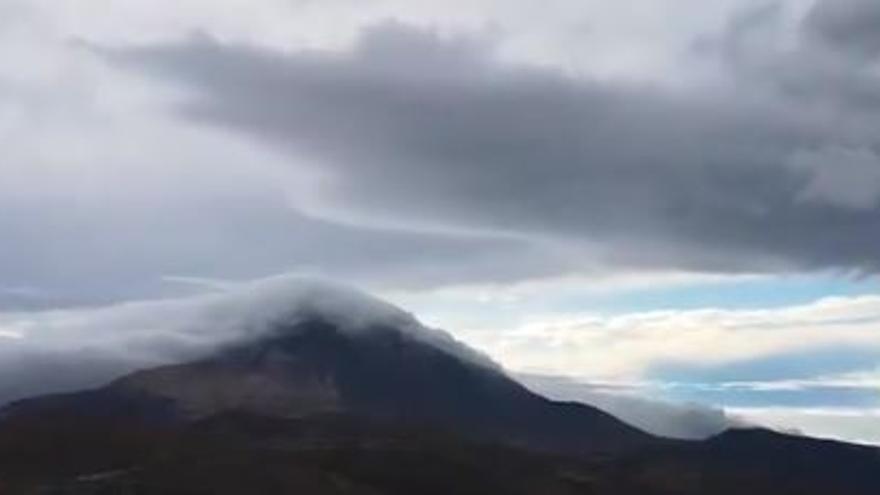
(285, 306)
(294, 297)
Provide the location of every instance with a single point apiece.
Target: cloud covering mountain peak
(71, 349)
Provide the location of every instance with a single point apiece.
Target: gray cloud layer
(439, 162)
(84, 253)
(768, 170)
(847, 25)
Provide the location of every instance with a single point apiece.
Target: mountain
(342, 394)
(313, 366)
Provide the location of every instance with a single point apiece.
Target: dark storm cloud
(829, 69)
(852, 26)
(423, 129)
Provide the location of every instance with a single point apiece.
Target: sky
(674, 199)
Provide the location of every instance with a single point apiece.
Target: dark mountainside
(312, 408)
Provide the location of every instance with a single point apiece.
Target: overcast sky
(678, 198)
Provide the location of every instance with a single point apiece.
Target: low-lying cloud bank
(852, 425)
(698, 420)
(58, 350)
(666, 418)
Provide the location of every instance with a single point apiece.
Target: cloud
(64, 350)
(104, 196)
(849, 26)
(853, 425)
(75, 348)
(842, 407)
(420, 129)
(665, 418)
(468, 145)
(610, 363)
(798, 365)
(407, 157)
(729, 343)
(840, 176)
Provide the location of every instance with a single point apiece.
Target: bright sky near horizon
(678, 198)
